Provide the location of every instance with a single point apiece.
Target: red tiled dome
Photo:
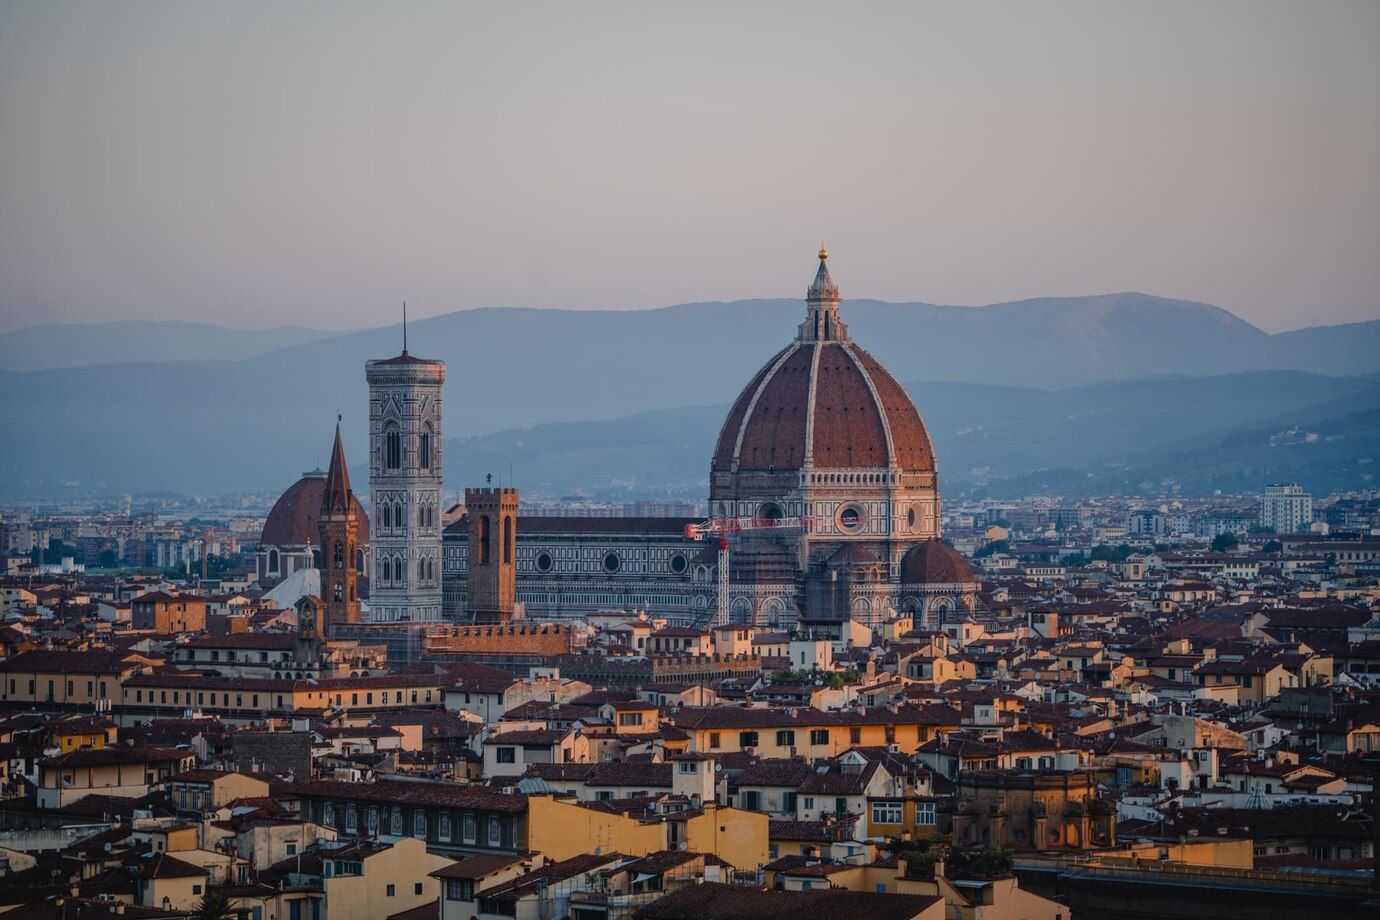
(934, 562)
(296, 514)
(862, 416)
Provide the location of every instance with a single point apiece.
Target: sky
(265, 164)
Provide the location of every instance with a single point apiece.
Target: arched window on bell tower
(424, 448)
(338, 555)
(392, 447)
(485, 540)
(508, 541)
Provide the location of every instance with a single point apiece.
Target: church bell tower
(338, 528)
(491, 585)
(405, 487)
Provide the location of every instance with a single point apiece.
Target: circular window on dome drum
(543, 562)
(770, 512)
(612, 563)
(851, 518)
(910, 517)
(679, 564)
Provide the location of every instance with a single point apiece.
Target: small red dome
(296, 515)
(934, 562)
(833, 393)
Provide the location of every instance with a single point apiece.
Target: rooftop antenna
(404, 327)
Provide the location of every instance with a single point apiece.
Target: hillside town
(821, 694)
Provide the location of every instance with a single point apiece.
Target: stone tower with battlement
(491, 593)
(405, 488)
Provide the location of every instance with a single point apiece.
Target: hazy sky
(296, 163)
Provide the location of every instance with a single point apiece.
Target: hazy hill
(255, 422)
(1332, 454)
(1047, 342)
(981, 432)
(76, 344)
(1350, 348)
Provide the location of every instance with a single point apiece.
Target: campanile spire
(338, 529)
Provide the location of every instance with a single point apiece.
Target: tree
(978, 863)
(1104, 553)
(55, 553)
(214, 905)
(1272, 546)
(1225, 542)
(996, 546)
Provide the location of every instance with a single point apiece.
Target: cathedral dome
(934, 562)
(828, 405)
(824, 403)
(296, 515)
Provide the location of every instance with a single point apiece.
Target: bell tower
(491, 584)
(337, 529)
(405, 488)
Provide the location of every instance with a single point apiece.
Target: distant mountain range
(995, 440)
(57, 345)
(190, 409)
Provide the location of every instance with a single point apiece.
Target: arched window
(484, 540)
(397, 514)
(424, 448)
(508, 541)
(392, 448)
(359, 560)
(338, 555)
(387, 515)
(273, 560)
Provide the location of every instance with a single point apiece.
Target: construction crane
(726, 527)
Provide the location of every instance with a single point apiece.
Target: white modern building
(1286, 508)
